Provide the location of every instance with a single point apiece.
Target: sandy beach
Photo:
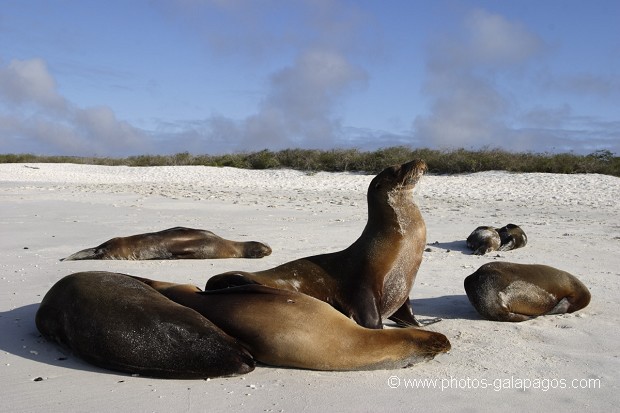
(552, 363)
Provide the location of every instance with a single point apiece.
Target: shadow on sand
(448, 307)
(20, 337)
(453, 246)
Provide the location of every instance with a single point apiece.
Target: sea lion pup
(119, 323)
(503, 291)
(512, 237)
(172, 244)
(290, 329)
(372, 278)
(483, 239)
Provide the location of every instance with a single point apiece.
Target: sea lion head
(390, 200)
(399, 177)
(254, 249)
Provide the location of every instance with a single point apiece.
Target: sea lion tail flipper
(561, 307)
(404, 317)
(87, 254)
(424, 323)
(415, 323)
(514, 317)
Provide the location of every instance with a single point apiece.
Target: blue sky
(126, 77)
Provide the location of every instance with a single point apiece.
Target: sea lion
(512, 237)
(483, 239)
(372, 278)
(504, 291)
(119, 323)
(290, 329)
(171, 244)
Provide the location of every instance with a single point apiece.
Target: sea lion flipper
(86, 254)
(404, 317)
(508, 245)
(366, 312)
(424, 323)
(561, 307)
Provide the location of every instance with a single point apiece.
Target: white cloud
(584, 84)
(472, 107)
(493, 40)
(542, 117)
(467, 109)
(33, 115)
(24, 82)
(301, 98)
(298, 110)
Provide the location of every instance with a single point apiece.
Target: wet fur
(119, 323)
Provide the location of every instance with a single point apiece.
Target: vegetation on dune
(338, 160)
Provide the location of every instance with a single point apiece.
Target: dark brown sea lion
(119, 323)
(289, 329)
(172, 243)
(372, 278)
(512, 237)
(483, 239)
(504, 291)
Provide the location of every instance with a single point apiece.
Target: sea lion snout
(412, 171)
(254, 249)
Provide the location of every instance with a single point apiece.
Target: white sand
(571, 221)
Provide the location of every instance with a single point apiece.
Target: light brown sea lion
(372, 278)
(171, 244)
(483, 239)
(290, 329)
(504, 291)
(512, 237)
(119, 323)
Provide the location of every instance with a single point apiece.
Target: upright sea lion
(172, 243)
(512, 237)
(372, 278)
(484, 239)
(289, 329)
(503, 291)
(117, 322)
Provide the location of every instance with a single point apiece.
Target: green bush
(340, 160)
